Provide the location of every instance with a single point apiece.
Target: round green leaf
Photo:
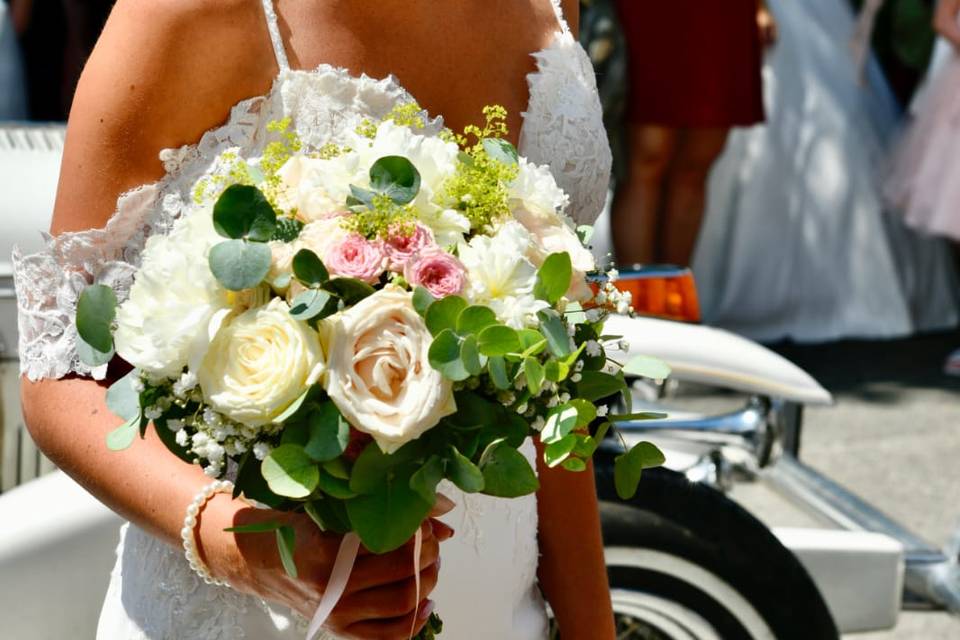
(312, 303)
(628, 467)
(425, 480)
(506, 472)
(422, 299)
(555, 331)
(396, 177)
(444, 356)
(335, 487)
(497, 367)
(463, 473)
(309, 269)
(124, 435)
(560, 422)
(389, 516)
(553, 277)
(556, 453)
(122, 399)
(290, 472)
(329, 433)
(90, 356)
(498, 340)
(475, 319)
(574, 464)
(239, 265)
(473, 362)
(350, 290)
(535, 374)
(647, 367)
(443, 314)
(242, 211)
(96, 310)
(501, 150)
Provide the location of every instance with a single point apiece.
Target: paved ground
(893, 437)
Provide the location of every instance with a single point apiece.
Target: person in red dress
(694, 72)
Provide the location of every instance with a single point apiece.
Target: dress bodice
(488, 586)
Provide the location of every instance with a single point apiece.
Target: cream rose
(379, 375)
(259, 363)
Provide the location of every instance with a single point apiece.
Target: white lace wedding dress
(488, 583)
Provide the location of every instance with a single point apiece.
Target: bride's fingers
(441, 530)
(373, 571)
(443, 506)
(396, 629)
(386, 602)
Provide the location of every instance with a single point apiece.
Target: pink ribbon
(342, 568)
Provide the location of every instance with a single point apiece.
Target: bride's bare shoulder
(162, 73)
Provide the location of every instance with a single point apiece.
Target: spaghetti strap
(558, 10)
(278, 49)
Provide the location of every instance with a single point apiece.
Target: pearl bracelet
(190, 524)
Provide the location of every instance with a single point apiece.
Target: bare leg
(636, 210)
(697, 150)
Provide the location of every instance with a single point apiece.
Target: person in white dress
(211, 74)
(797, 241)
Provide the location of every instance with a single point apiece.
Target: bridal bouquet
(341, 329)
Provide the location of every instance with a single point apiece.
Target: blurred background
(799, 155)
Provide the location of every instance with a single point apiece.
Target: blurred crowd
(796, 154)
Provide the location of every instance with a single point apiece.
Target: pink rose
(401, 248)
(436, 271)
(356, 257)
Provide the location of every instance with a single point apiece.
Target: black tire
(660, 544)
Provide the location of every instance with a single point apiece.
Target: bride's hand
(380, 600)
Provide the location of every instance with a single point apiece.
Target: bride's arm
(162, 73)
(572, 570)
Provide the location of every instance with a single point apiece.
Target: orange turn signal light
(662, 291)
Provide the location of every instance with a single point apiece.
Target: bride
(182, 81)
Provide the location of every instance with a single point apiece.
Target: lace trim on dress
(563, 126)
(558, 10)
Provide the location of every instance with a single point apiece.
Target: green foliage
(596, 385)
(286, 544)
(535, 374)
(506, 472)
(555, 331)
(395, 177)
(463, 473)
(309, 269)
(387, 516)
(329, 433)
(239, 264)
(290, 472)
(425, 480)
(443, 314)
(561, 421)
(243, 212)
(629, 466)
(475, 319)
(350, 290)
(647, 367)
(96, 311)
(553, 277)
(288, 230)
(123, 436)
(422, 299)
(501, 150)
(122, 399)
(313, 304)
(444, 356)
(498, 340)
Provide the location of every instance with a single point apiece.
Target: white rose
(172, 300)
(500, 275)
(379, 374)
(552, 233)
(259, 363)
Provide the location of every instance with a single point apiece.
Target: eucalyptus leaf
(642, 415)
(312, 303)
(96, 310)
(425, 480)
(498, 340)
(422, 299)
(240, 265)
(92, 357)
(586, 411)
(470, 356)
(122, 399)
(335, 487)
(534, 373)
(329, 433)
(501, 150)
(574, 464)
(443, 314)
(475, 319)
(396, 177)
(444, 356)
(373, 466)
(309, 269)
(387, 518)
(294, 407)
(329, 514)
(286, 544)
(555, 331)
(250, 483)
(628, 467)
(497, 367)
(242, 211)
(561, 421)
(463, 473)
(647, 367)
(555, 453)
(361, 196)
(123, 436)
(290, 472)
(596, 385)
(553, 277)
(350, 290)
(255, 527)
(507, 473)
